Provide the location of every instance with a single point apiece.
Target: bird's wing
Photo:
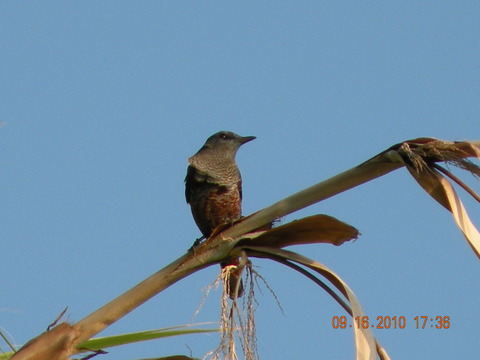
(189, 180)
(195, 180)
(239, 186)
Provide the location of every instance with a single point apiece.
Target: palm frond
(366, 344)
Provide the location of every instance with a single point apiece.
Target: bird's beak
(245, 139)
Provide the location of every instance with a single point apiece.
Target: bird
(213, 189)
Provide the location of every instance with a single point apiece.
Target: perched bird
(213, 188)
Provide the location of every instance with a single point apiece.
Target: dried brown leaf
(429, 180)
(366, 346)
(442, 191)
(421, 153)
(461, 217)
(310, 230)
(471, 148)
(382, 353)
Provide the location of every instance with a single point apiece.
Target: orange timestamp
(391, 322)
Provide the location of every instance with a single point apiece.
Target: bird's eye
(223, 136)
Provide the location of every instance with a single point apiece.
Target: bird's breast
(215, 205)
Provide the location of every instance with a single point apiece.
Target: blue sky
(103, 102)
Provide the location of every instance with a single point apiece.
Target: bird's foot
(197, 242)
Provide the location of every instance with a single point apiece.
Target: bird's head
(226, 142)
